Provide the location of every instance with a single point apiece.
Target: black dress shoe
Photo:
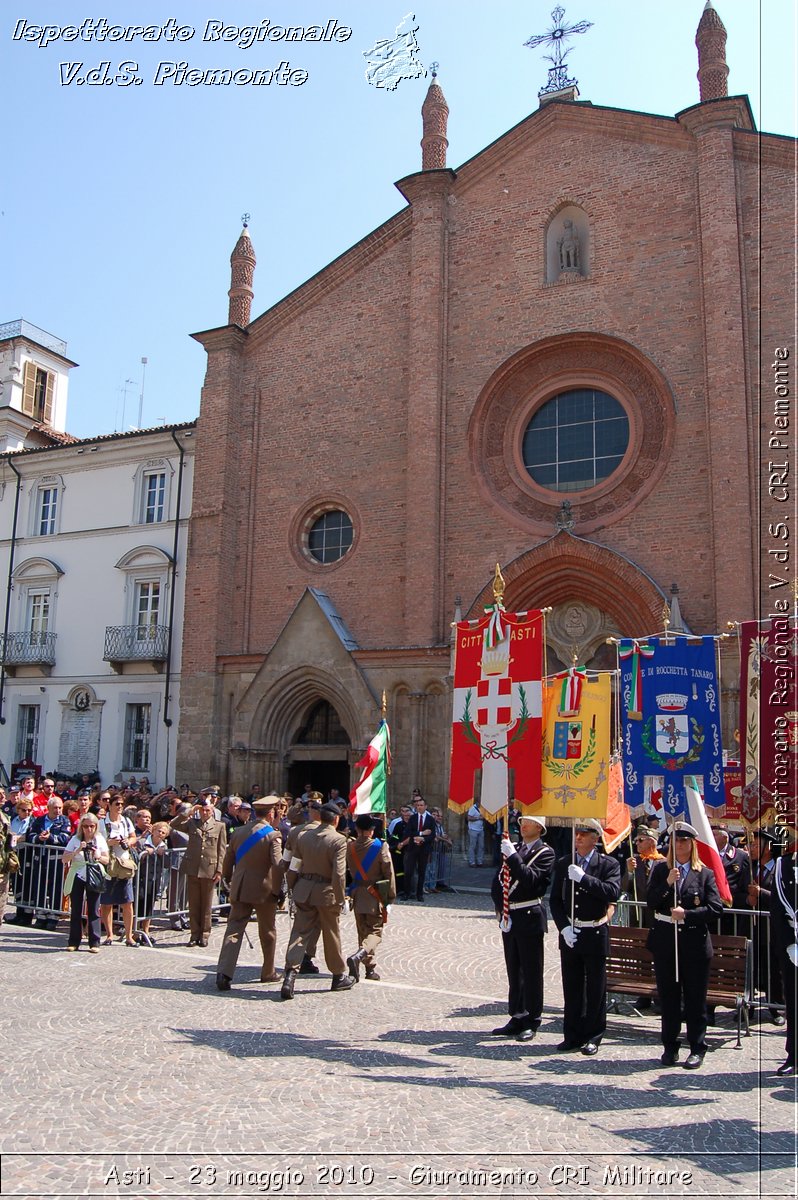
(526, 1035)
(308, 967)
(512, 1027)
(786, 1069)
(670, 1058)
(342, 983)
(693, 1062)
(590, 1048)
(564, 1046)
(287, 990)
(193, 941)
(777, 1018)
(223, 982)
(372, 974)
(353, 965)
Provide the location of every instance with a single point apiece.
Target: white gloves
(507, 847)
(792, 954)
(569, 936)
(576, 873)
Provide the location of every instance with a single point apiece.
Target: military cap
(765, 835)
(265, 803)
(541, 821)
(330, 808)
(316, 801)
(681, 829)
(588, 825)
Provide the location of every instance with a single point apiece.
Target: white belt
(591, 924)
(667, 919)
(526, 904)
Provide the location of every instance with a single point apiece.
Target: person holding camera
(120, 835)
(202, 863)
(85, 846)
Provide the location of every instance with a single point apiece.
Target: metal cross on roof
(556, 38)
(245, 219)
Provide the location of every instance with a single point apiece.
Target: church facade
(552, 359)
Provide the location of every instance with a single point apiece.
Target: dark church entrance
(320, 753)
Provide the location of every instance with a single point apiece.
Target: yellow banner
(576, 751)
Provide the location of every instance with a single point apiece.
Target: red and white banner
(497, 710)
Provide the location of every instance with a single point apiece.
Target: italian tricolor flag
(368, 795)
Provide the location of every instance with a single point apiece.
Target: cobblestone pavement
(131, 1061)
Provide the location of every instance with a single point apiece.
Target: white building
(93, 537)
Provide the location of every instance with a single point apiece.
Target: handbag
(96, 876)
(123, 867)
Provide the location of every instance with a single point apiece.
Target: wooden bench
(630, 971)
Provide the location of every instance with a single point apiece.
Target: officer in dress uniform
(517, 892)
(319, 894)
(737, 866)
(581, 893)
(682, 897)
(784, 930)
(766, 962)
(301, 815)
(252, 879)
(368, 860)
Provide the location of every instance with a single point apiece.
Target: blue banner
(671, 720)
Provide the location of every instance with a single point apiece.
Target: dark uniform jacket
(783, 920)
(530, 874)
(737, 865)
(60, 831)
(700, 899)
(207, 841)
(322, 879)
(596, 891)
(381, 868)
(256, 878)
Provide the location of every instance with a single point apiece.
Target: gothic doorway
(319, 753)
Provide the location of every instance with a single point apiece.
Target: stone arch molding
(534, 375)
(280, 710)
(566, 570)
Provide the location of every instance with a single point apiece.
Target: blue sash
(252, 840)
(368, 859)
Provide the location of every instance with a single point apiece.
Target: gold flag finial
(498, 585)
(384, 706)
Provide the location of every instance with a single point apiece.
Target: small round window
(575, 440)
(330, 536)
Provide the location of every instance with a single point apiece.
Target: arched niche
(568, 245)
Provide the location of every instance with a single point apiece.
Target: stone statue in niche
(568, 247)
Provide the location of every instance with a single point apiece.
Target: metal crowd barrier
(737, 922)
(439, 867)
(159, 889)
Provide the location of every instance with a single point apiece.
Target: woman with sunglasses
(86, 843)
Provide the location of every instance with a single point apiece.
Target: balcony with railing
(135, 644)
(29, 648)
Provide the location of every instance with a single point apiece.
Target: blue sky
(120, 205)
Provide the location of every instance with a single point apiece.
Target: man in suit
(517, 891)
(51, 829)
(251, 863)
(581, 893)
(202, 863)
(368, 861)
(682, 898)
(317, 876)
(784, 931)
(419, 838)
